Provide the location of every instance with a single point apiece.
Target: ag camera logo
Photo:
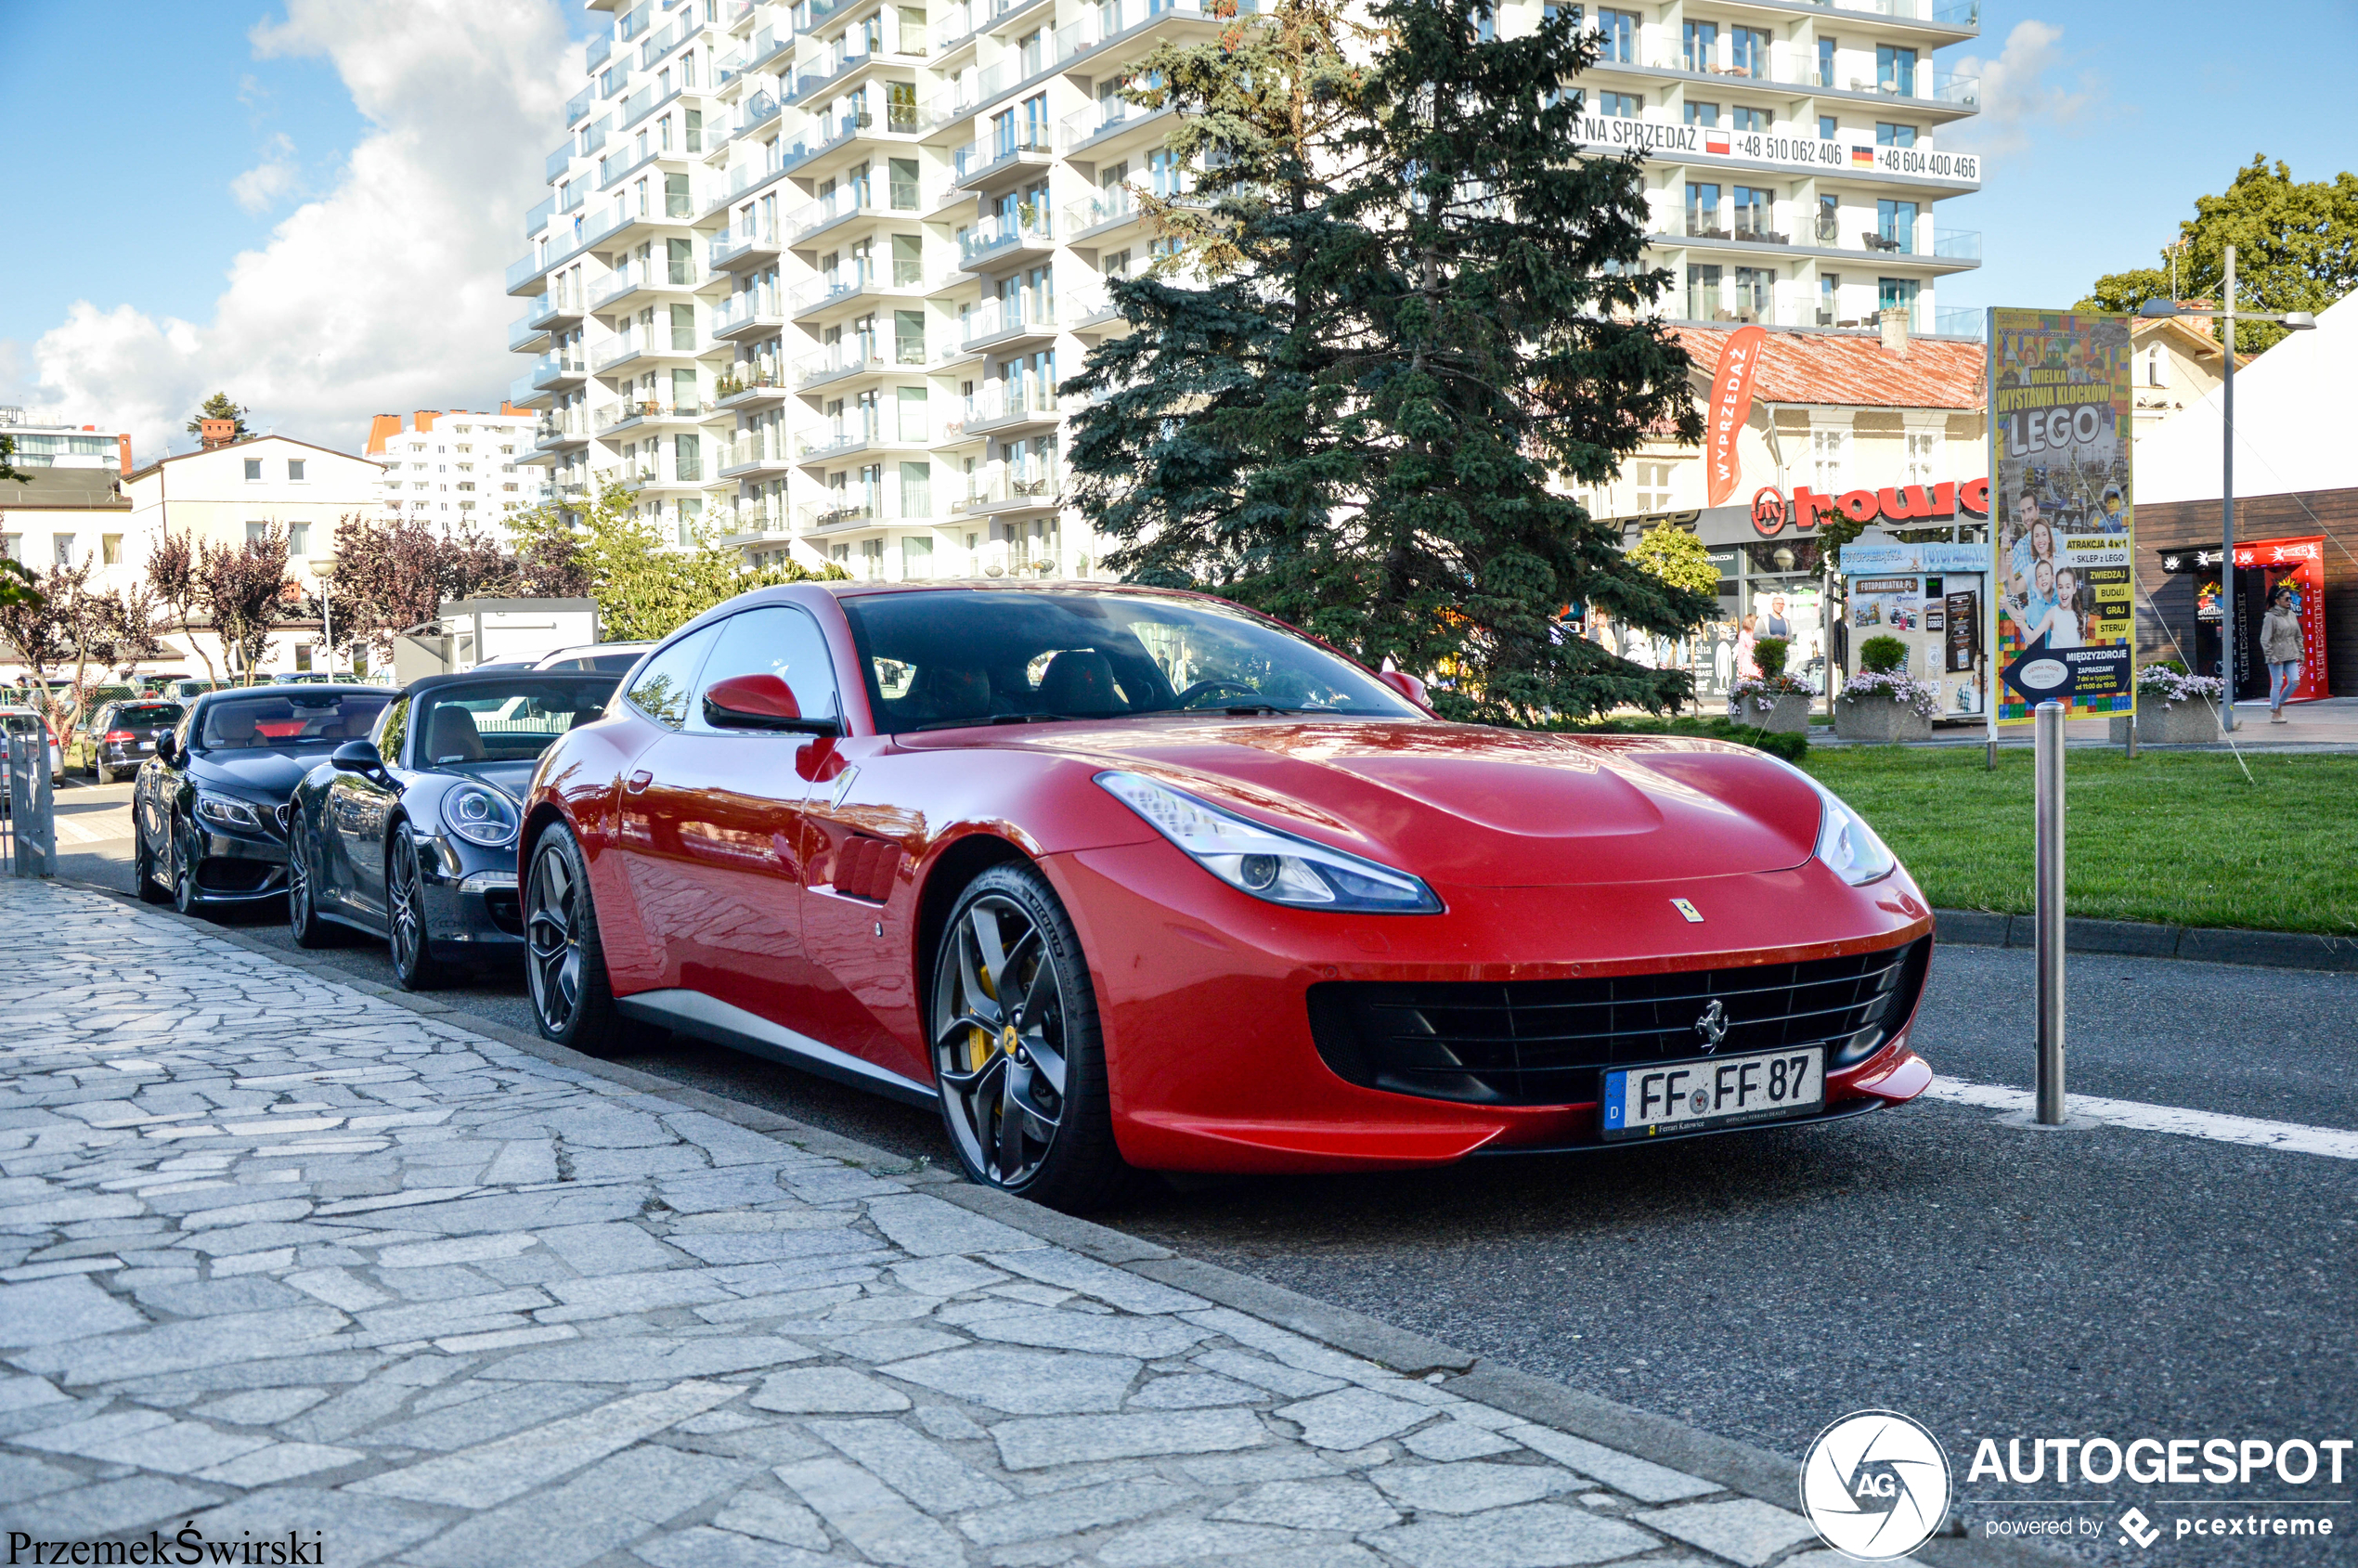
(1875, 1484)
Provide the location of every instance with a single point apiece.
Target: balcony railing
(767, 46)
(563, 299)
(1957, 323)
(759, 109)
(998, 232)
(522, 331)
(828, 365)
(1108, 206)
(1001, 399)
(953, 29)
(838, 512)
(524, 271)
(1957, 244)
(730, 244)
(632, 410)
(987, 152)
(614, 351)
(812, 216)
(753, 448)
(556, 428)
(749, 307)
(848, 280)
(751, 375)
(557, 365)
(994, 319)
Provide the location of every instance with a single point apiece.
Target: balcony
(638, 411)
(524, 335)
(524, 395)
(754, 241)
(635, 344)
(1003, 405)
(560, 305)
(844, 510)
(1957, 244)
(813, 216)
(1027, 487)
(601, 51)
(821, 294)
(756, 112)
(556, 163)
(755, 453)
(559, 368)
(624, 282)
(995, 326)
(753, 384)
(767, 46)
(524, 274)
(818, 369)
(1957, 323)
(954, 28)
(1021, 147)
(750, 313)
(578, 107)
(1088, 308)
(1004, 236)
(558, 428)
(1104, 210)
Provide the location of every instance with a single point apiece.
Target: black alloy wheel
(414, 964)
(302, 912)
(564, 961)
(186, 858)
(1017, 1051)
(143, 866)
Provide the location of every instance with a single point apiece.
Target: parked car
(411, 834)
(611, 658)
(204, 814)
(19, 720)
(119, 735)
(184, 689)
(1121, 877)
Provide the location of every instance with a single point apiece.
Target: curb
(1737, 1466)
(2137, 939)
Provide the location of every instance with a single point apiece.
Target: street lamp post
(2291, 320)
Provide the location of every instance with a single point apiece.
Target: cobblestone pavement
(278, 1256)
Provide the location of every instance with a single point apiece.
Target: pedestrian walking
(2280, 645)
(1745, 668)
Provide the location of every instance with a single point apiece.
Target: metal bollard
(2049, 888)
(2133, 738)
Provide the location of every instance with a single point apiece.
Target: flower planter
(1880, 719)
(2193, 722)
(1789, 715)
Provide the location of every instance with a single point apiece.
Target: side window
(392, 725)
(660, 691)
(780, 641)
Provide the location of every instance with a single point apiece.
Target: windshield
(512, 720)
(957, 657)
(154, 716)
(286, 720)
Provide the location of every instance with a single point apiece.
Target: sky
(312, 205)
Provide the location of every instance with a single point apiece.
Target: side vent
(865, 868)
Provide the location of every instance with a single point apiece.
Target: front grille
(1548, 1042)
(218, 874)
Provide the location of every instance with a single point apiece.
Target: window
(687, 458)
(1617, 36)
(110, 545)
(677, 201)
(909, 337)
(1701, 113)
(62, 548)
(1826, 62)
(2156, 373)
(302, 658)
(1702, 41)
(1752, 300)
(253, 471)
(911, 408)
(298, 540)
(908, 260)
(1924, 458)
(1895, 70)
(917, 489)
(1702, 293)
(683, 325)
(1755, 212)
(12, 546)
(294, 470)
(257, 532)
(1827, 126)
(1890, 134)
(1651, 482)
(660, 691)
(1899, 293)
(1829, 220)
(1895, 225)
(901, 183)
(1829, 465)
(1746, 118)
(1748, 51)
(916, 557)
(1620, 106)
(1703, 218)
(1828, 294)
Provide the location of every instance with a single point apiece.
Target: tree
(1414, 324)
(17, 585)
(1677, 557)
(643, 589)
(219, 407)
(65, 628)
(172, 577)
(242, 590)
(9, 469)
(2296, 249)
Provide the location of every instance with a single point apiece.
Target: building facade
(809, 275)
(456, 469)
(42, 442)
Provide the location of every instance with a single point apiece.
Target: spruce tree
(1392, 309)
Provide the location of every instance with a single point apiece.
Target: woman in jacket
(2280, 645)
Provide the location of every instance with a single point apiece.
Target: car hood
(254, 776)
(1466, 804)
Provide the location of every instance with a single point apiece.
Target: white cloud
(270, 181)
(386, 293)
(2019, 98)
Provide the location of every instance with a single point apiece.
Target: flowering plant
(1762, 691)
(2171, 685)
(1895, 684)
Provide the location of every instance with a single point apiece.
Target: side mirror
(760, 702)
(356, 757)
(1406, 685)
(168, 747)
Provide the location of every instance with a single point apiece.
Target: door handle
(638, 781)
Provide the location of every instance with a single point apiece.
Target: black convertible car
(411, 834)
(205, 812)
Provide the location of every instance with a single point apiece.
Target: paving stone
(610, 1505)
(1534, 1535)
(70, 1307)
(944, 1277)
(1192, 1540)
(1746, 1530)
(1352, 1417)
(609, 1295)
(606, 1248)
(806, 1389)
(1022, 1383)
(1116, 1287)
(1192, 1391)
(145, 1438)
(648, 1358)
(355, 1530)
(1272, 1375)
(280, 1461)
(1471, 1487)
(120, 1505)
(1261, 1464)
(174, 1347)
(701, 1547)
(1337, 1503)
(772, 1518)
(871, 1516)
(1108, 1333)
(263, 1406)
(464, 1250)
(1646, 1481)
(22, 1476)
(1070, 1513)
(479, 1419)
(1034, 1442)
(209, 1298)
(927, 1227)
(1455, 1439)
(919, 1468)
(494, 1471)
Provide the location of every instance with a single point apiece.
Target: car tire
(310, 932)
(101, 773)
(565, 959)
(185, 861)
(1024, 1093)
(143, 870)
(409, 934)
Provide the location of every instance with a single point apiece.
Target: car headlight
(1848, 846)
(1265, 862)
(222, 811)
(481, 816)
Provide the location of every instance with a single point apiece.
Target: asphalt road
(1988, 1280)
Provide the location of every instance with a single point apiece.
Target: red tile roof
(1847, 369)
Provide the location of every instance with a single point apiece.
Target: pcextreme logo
(1875, 1484)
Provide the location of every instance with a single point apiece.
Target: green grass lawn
(2179, 837)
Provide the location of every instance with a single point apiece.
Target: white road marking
(2332, 1142)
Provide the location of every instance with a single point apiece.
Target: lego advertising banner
(2063, 508)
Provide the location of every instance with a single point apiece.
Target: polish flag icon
(1715, 141)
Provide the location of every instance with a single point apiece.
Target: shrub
(1882, 656)
(1770, 654)
(1792, 748)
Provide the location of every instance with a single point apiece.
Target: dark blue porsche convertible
(411, 834)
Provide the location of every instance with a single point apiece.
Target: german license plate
(1714, 1092)
(146, 746)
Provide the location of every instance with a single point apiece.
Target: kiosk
(1934, 598)
(2262, 567)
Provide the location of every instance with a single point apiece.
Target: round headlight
(479, 816)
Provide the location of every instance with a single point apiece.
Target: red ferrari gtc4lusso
(1125, 878)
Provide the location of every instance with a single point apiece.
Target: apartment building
(46, 442)
(810, 274)
(456, 469)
